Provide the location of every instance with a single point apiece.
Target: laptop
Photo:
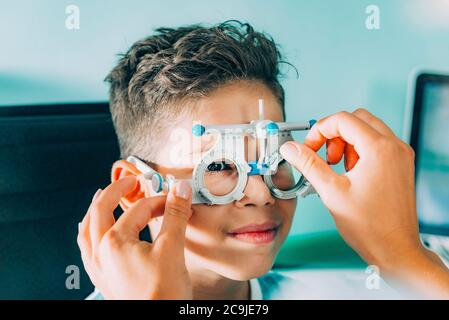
(427, 130)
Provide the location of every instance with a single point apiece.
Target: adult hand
(373, 203)
(119, 264)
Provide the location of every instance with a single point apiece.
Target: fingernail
(288, 151)
(183, 189)
(96, 194)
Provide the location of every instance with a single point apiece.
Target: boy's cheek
(286, 208)
(209, 222)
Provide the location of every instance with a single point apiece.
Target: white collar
(254, 285)
(256, 292)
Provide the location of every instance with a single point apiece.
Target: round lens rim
(235, 194)
(285, 194)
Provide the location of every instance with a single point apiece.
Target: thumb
(310, 165)
(177, 211)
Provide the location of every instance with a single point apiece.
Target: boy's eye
(218, 166)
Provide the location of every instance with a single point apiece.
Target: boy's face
(213, 241)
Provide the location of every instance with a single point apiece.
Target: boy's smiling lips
(256, 233)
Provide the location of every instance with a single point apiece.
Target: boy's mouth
(256, 233)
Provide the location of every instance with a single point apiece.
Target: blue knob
(198, 130)
(156, 182)
(312, 122)
(272, 128)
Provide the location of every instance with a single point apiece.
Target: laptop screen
(430, 139)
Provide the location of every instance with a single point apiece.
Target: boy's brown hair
(159, 74)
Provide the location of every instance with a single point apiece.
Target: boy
(215, 75)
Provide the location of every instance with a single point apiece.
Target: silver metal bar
(292, 126)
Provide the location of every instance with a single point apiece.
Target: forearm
(421, 273)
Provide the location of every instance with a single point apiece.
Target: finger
(102, 210)
(335, 149)
(311, 166)
(342, 125)
(134, 220)
(83, 238)
(374, 122)
(86, 260)
(351, 157)
(177, 213)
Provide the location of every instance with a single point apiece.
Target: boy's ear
(121, 169)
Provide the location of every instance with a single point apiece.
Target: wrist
(399, 256)
(405, 262)
(418, 272)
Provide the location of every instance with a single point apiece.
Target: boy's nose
(256, 193)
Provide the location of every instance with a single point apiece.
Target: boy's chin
(247, 271)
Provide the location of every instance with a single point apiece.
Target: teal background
(342, 64)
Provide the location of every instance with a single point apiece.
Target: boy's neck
(208, 285)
